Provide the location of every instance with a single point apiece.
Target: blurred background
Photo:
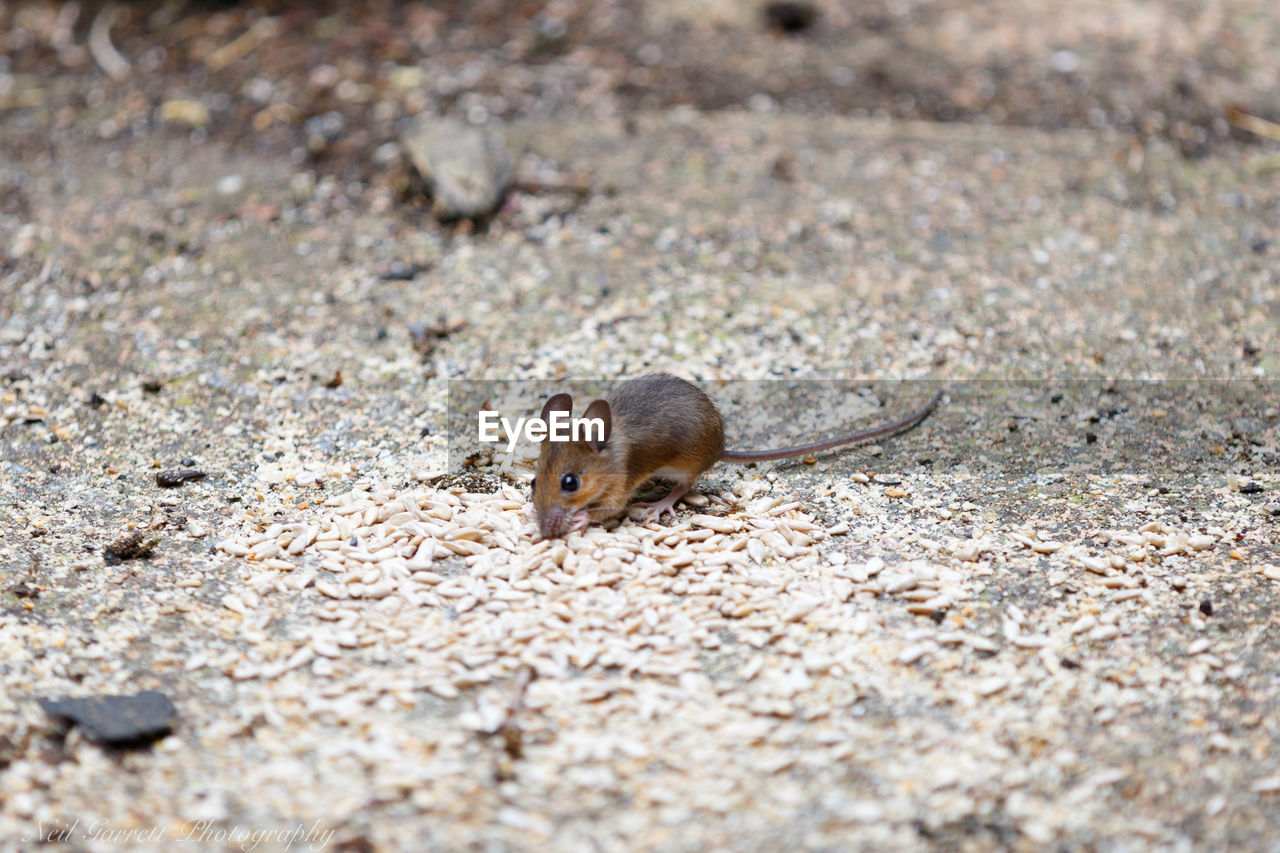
(328, 82)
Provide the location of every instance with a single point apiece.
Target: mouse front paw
(652, 511)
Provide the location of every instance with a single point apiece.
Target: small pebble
(230, 185)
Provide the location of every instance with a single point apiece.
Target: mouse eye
(533, 485)
(569, 483)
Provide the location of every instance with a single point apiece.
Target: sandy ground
(1048, 616)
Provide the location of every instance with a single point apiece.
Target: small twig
(100, 47)
(262, 30)
(183, 30)
(1252, 123)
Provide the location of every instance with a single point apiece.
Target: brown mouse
(654, 426)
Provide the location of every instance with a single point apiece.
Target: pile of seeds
(643, 598)
(744, 639)
(457, 579)
(457, 583)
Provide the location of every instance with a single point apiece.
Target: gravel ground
(1047, 616)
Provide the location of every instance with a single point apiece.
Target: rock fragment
(134, 720)
(174, 477)
(468, 169)
(130, 546)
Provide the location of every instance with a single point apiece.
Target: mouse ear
(557, 403)
(599, 410)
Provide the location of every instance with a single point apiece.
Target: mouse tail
(839, 441)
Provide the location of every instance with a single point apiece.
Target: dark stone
(1206, 607)
(790, 17)
(174, 477)
(400, 271)
(134, 720)
(1251, 488)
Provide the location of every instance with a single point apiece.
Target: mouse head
(579, 476)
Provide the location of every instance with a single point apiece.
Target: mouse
(655, 427)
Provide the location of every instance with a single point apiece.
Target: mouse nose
(552, 523)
